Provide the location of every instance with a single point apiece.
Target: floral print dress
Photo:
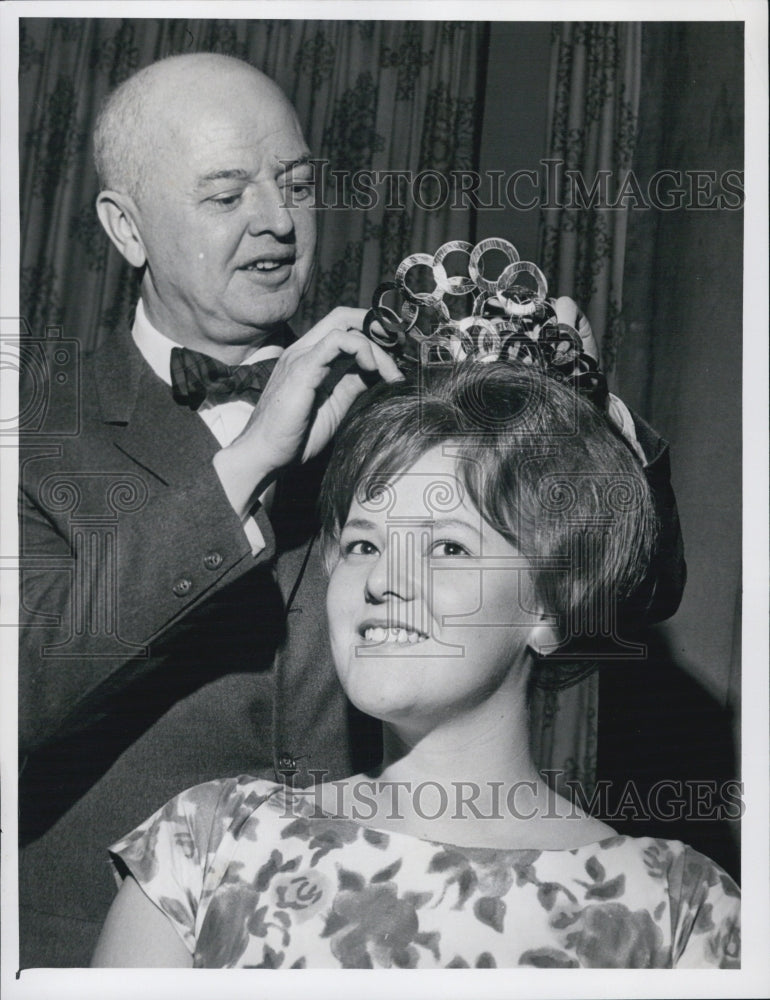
(253, 875)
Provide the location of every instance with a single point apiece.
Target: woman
(475, 518)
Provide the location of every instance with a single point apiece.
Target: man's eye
(447, 549)
(226, 200)
(359, 547)
(299, 191)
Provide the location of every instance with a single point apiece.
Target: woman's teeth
(402, 636)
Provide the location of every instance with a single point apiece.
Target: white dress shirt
(225, 420)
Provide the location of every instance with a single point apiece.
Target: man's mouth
(400, 635)
(266, 265)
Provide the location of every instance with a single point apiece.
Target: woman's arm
(136, 934)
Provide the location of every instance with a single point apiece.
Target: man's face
(226, 216)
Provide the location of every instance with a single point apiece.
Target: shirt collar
(155, 347)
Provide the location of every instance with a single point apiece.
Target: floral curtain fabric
(564, 735)
(681, 367)
(593, 104)
(592, 125)
(374, 98)
(371, 96)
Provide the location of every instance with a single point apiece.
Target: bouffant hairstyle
(542, 465)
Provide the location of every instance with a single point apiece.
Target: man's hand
(567, 311)
(311, 389)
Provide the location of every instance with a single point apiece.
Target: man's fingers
(341, 318)
(567, 311)
(358, 348)
(340, 333)
(385, 364)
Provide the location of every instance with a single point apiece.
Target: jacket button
(286, 762)
(212, 560)
(182, 586)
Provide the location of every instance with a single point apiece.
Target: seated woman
(474, 518)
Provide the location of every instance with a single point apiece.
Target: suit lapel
(168, 440)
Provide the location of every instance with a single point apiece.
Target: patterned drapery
(592, 126)
(593, 105)
(564, 734)
(371, 95)
(681, 368)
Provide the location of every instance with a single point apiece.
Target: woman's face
(430, 609)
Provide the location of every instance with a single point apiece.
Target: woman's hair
(542, 465)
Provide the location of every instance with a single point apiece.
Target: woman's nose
(398, 571)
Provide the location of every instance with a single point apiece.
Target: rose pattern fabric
(253, 875)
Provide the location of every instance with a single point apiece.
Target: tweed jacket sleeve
(125, 533)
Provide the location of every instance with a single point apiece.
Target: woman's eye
(359, 547)
(447, 549)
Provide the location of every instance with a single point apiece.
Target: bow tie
(196, 377)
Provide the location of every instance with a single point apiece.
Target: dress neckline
(316, 812)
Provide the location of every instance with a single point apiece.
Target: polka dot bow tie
(196, 377)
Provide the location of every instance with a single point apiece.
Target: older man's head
(206, 184)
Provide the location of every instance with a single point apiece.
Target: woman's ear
(118, 215)
(544, 636)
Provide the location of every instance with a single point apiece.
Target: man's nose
(268, 211)
(398, 571)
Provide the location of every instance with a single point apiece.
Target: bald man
(173, 599)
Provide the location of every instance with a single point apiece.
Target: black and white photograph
(384, 499)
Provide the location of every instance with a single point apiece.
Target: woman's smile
(427, 602)
(391, 633)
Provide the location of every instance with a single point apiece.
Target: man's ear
(118, 214)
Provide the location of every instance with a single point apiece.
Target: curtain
(679, 366)
(564, 734)
(370, 95)
(593, 103)
(593, 108)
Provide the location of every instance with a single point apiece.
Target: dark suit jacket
(157, 652)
